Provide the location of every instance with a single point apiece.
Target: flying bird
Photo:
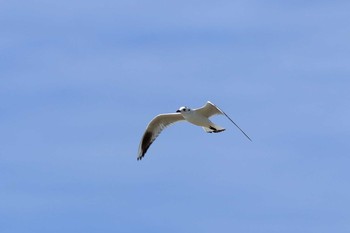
(199, 117)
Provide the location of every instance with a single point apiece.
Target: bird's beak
(178, 111)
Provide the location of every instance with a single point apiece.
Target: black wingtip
(140, 157)
(145, 144)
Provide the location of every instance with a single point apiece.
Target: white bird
(198, 117)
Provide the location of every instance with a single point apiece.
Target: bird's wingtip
(140, 156)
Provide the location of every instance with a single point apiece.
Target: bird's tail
(213, 129)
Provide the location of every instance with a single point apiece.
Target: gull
(199, 117)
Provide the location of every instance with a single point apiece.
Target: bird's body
(199, 117)
(194, 117)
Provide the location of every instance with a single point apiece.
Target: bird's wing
(154, 128)
(210, 109)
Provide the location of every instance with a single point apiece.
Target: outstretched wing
(154, 128)
(210, 109)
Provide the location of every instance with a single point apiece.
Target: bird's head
(183, 109)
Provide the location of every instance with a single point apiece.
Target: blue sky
(80, 80)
